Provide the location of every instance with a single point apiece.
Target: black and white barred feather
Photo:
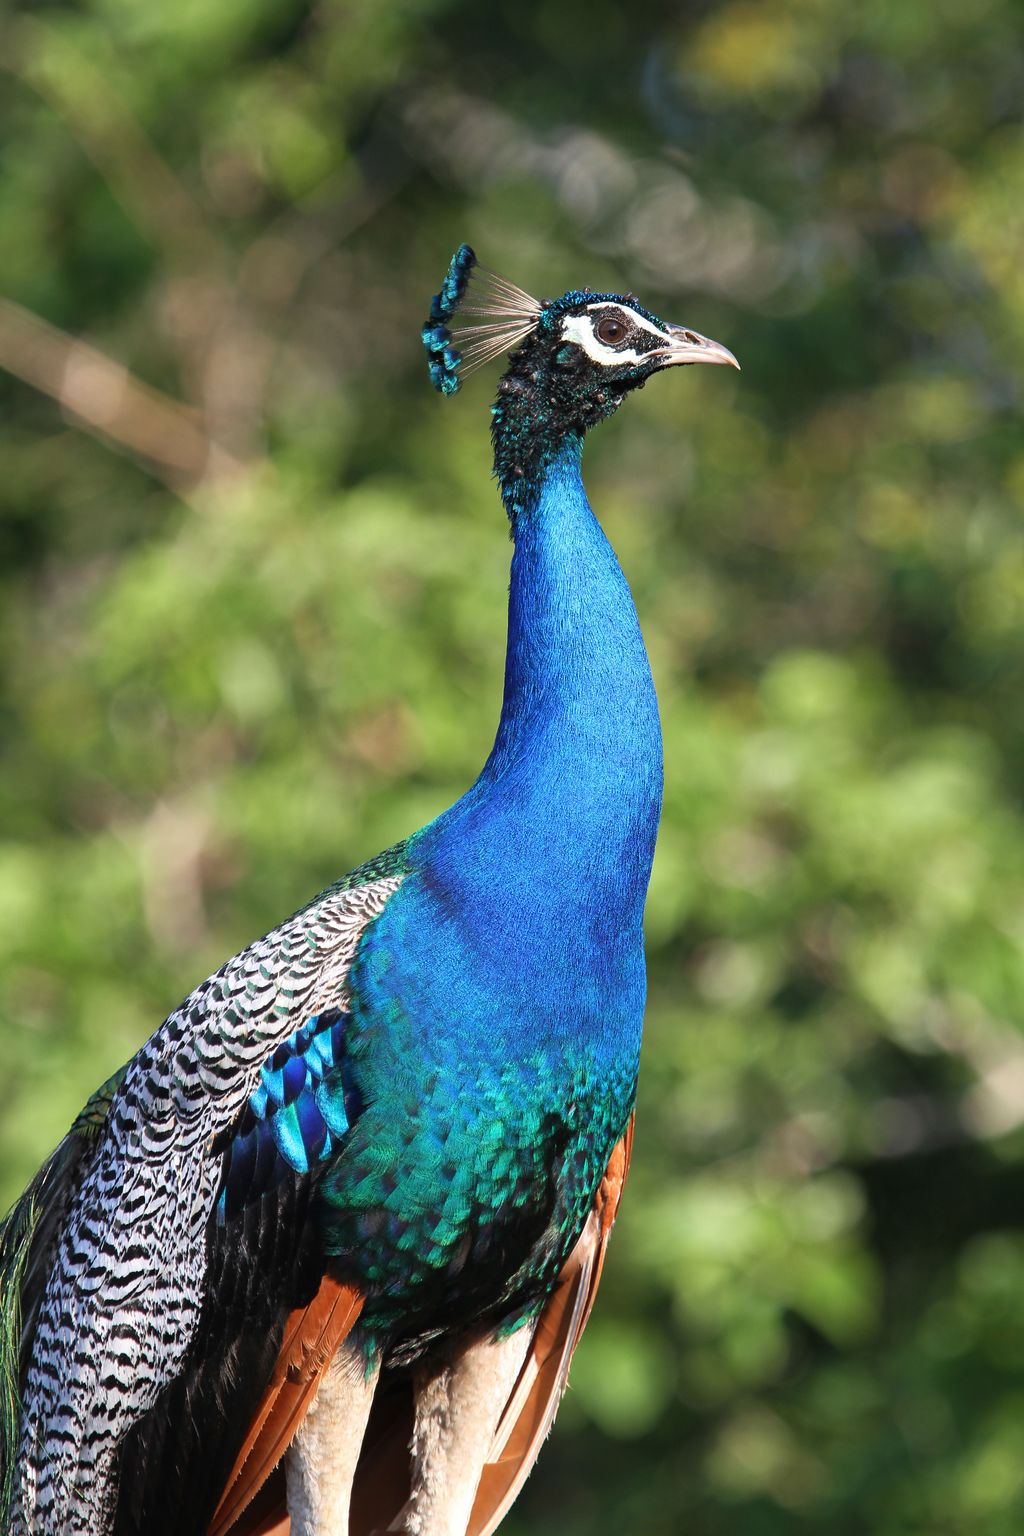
(125, 1290)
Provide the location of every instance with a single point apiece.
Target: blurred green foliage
(252, 631)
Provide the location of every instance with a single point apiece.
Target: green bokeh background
(253, 573)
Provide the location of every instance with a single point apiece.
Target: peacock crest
(503, 316)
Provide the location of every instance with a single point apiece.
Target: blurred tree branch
(106, 399)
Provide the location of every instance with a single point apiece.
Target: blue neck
(517, 932)
(564, 815)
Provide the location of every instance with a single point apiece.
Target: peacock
(318, 1256)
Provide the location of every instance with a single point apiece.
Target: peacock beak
(688, 346)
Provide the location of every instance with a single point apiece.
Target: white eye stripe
(637, 321)
(580, 329)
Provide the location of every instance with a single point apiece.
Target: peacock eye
(610, 330)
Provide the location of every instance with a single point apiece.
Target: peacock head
(572, 360)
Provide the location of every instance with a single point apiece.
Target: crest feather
(503, 316)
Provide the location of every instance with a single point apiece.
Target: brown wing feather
(534, 1401)
(311, 1337)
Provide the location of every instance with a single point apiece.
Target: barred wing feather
(130, 1267)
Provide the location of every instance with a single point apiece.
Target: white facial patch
(580, 329)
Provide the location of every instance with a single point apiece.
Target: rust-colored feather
(531, 1408)
(311, 1337)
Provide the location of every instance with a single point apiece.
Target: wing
(382, 1479)
(142, 1295)
(272, 1319)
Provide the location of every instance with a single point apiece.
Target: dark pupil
(610, 330)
